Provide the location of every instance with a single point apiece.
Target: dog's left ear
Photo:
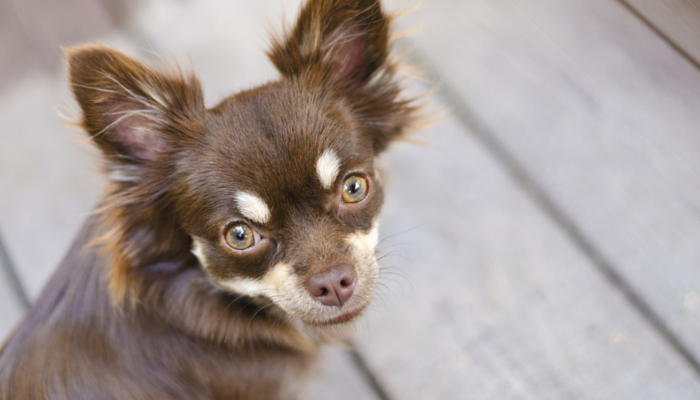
(343, 46)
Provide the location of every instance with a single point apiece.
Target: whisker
(399, 233)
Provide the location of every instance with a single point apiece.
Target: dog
(231, 242)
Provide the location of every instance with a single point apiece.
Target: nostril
(346, 275)
(333, 287)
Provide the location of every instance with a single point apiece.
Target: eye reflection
(354, 189)
(240, 237)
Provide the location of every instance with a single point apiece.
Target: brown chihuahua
(231, 242)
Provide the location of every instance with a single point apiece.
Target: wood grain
(48, 179)
(33, 31)
(679, 20)
(484, 297)
(11, 310)
(339, 379)
(602, 115)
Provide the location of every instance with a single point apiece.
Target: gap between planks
(12, 277)
(462, 112)
(660, 33)
(367, 374)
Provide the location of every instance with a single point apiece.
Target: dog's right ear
(133, 112)
(139, 118)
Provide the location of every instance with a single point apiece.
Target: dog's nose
(333, 287)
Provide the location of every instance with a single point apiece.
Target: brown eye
(240, 237)
(354, 189)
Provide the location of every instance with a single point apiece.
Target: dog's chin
(335, 330)
(349, 317)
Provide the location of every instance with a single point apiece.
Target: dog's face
(295, 215)
(274, 190)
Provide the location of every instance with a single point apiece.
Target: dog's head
(275, 190)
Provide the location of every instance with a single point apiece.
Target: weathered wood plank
(33, 31)
(491, 299)
(225, 41)
(679, 20)
(602, 114)
(47, 178)
(339, 379)
(10, 307)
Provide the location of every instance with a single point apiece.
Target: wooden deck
(544, 244)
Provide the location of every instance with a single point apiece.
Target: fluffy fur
(153, 301)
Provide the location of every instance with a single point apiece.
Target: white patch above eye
(327, 168)
(253, 207)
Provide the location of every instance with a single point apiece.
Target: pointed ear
(133, 112)
(345, 39)
(139, 118)
(343, 45)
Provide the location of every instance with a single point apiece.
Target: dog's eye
(240, 237)
(354, 189)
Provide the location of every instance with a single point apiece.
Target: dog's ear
(133, 112)
(140, 118)
(348, 39)
(343, 45)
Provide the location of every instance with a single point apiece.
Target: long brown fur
(131, 313)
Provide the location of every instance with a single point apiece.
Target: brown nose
(333, 287)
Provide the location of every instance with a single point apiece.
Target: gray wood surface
(679, 20)
(48, 181)
(33, 31)
(339, 379)
(482, 294)
(10, 308)
(223, 41)
(485, 298)
(599, 112)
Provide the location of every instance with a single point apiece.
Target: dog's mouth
(284, 288)
(341, 319)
